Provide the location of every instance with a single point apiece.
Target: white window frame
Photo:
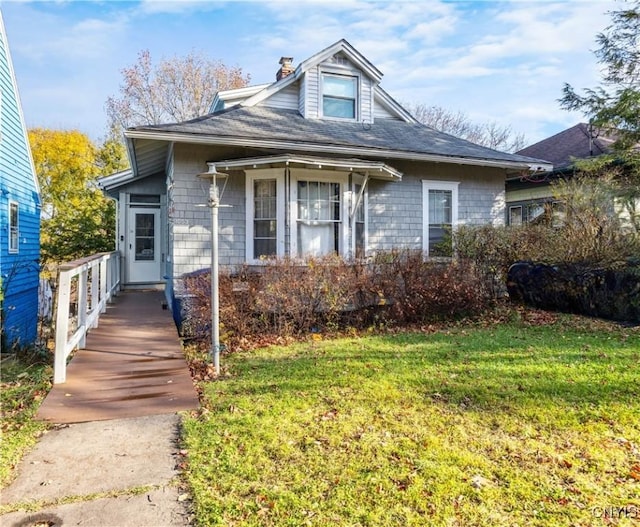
(252, 176)
(14, 229)
(513, 208)
(346, 74)
(428, 185)
(327, 177)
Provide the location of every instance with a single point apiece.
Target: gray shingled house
(321, 161)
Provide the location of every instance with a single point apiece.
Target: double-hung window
(265, 218)
(319, 221)
(339, 96)
(14, 227)
(440, 209)
(265, 215)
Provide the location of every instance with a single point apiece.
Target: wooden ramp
(132, 366)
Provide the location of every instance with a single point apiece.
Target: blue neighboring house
(19, 214)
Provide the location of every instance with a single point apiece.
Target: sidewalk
(130, 464)
(113, 459)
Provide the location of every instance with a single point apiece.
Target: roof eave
(391, 104)
(179, 137)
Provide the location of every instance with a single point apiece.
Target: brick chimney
(286, 68)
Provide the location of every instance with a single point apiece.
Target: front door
(144, 245)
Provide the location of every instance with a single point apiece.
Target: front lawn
(507, 425)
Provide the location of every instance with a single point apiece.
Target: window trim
(511, 209)
(261, 174)
(427, 185)
(357, 98)
(13, 229)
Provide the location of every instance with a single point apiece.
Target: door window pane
(145, 237)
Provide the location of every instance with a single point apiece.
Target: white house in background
(321, 161)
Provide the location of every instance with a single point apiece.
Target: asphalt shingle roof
(265, 123)
(579, 142)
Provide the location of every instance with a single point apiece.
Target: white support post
(62, 327)
(95, 288)
(104, 287)
(82, 305)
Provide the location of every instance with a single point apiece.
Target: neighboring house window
(319, 218)
(339, 96)
(440, 209)
(515, 215)
(14, 230)
(535, 211)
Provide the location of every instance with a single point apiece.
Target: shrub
(289, 298)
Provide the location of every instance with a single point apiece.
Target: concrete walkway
(114, 462)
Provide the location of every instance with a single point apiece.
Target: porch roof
(373, 169)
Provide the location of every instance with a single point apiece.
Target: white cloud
(493, 60)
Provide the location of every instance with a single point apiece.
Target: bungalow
(19, 215)
(321, 161)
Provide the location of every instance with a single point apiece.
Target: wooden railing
(87, 285)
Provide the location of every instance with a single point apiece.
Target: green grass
(23, 386)
(502, 426)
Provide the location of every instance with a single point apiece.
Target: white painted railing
(95, 279)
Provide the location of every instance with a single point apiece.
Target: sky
(502, 62)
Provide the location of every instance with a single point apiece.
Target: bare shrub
(420, 290)
(287, 298)
(298, 297)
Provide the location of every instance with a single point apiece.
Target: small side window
(14, 227)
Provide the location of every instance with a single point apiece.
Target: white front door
(143, 252)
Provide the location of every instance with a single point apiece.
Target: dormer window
(339, 96)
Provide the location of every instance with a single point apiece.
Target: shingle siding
(191, 228)
(395, 209)
(286, 98)
(312, 94)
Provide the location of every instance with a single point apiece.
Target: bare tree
(175, 90)
(491, 135)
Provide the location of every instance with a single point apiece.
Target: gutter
(178, 137)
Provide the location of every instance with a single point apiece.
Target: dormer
(337, 88)
(337, 84)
